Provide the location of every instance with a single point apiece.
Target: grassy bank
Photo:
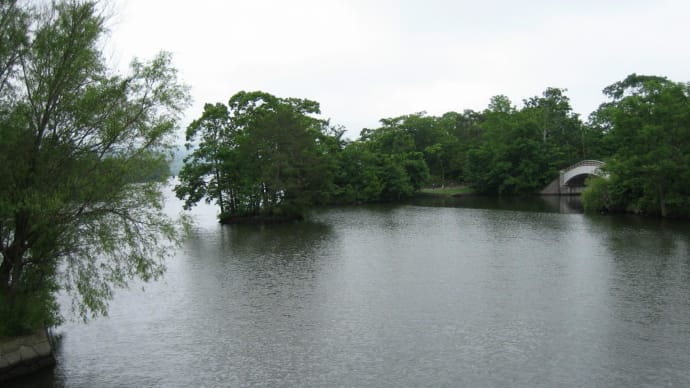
(448, 191)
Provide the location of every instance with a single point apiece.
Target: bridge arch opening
(571, 180)
(578, 180)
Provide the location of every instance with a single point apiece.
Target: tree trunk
(5, 270)
(219, 187)
(662, 200)
(11, 270)
(17, 270)
(443, 175)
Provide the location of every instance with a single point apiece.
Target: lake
(437, 292)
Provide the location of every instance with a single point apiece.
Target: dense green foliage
(259, 156)
(522, 150)
(75, 140)
(263, 155)
(501, 150)
(647, 125)
(268, 157)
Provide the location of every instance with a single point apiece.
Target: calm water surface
(472, 293)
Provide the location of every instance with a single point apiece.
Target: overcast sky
(364, 60)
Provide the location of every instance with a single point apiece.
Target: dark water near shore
(438, 292)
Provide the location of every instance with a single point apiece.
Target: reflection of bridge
(571, 180)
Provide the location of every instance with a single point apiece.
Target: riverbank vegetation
(452, 191)
(262, 155)
(266, 156)
(81, 164)
(647, 127)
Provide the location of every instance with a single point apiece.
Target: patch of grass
(448, 191)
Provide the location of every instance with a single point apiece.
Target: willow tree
(78, 211)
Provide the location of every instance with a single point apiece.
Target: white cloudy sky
(368, 59)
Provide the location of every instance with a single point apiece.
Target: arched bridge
(578, 171)
(571, 180)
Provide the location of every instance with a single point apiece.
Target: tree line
(261, 155)
(265, 156)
